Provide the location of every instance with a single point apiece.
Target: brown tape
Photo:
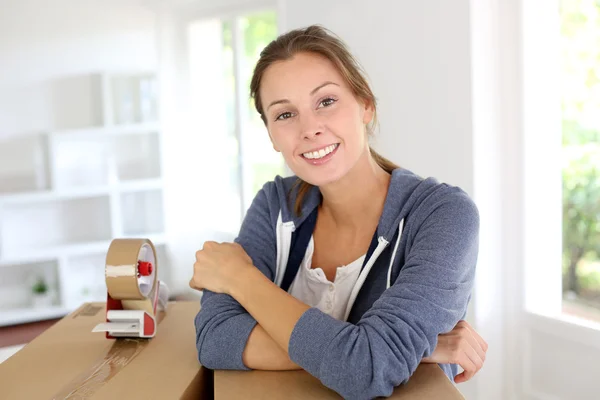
(121, 353)
(122, 272)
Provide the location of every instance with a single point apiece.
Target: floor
(7, 352)
(13, 338)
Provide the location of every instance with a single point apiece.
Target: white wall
(43, 41)
(417, 57)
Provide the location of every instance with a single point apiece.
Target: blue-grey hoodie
(415, 284)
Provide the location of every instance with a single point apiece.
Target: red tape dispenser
(134, 293)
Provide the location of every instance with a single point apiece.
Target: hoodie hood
(405, 190)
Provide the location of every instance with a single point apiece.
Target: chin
(321, 179)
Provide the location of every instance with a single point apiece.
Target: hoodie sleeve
(429, 297)
(223, 325)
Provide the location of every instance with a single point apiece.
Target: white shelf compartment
(104, 98)
(18, 280)
(24, 164)
(37, 227)
(137, 156)
(131, 97)
(83, 279)
(96, 158)
(142, 212)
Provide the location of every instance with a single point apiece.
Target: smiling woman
(354, 269)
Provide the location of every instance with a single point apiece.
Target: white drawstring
(389, 274)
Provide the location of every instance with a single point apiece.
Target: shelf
(49, 253)
(133, 97)
(79, 193)
(140, 185)
(25, 315)
(24, 164)
(104, 159)
(53, 224)
(102, 131)
(84, 279)
(142, 212)
(54, 195)
(17, 283)
(136, 157)
(92, 175)
(106, 98)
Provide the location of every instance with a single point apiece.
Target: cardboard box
(428, 382)
(69, 361)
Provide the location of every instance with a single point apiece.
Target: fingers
(194, 281)
(470, 351)
(473, 343)
(209, 245)
(471, 362)
(482, 343)
(194, 284)
(469, 368)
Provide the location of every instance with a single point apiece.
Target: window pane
(212, 94)
(261, 161)
(216, 45)
(580, 30)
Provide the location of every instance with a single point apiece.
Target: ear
(369, 112)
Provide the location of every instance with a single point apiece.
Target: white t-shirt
(312, 287)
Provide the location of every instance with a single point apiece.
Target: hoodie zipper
(381, 245)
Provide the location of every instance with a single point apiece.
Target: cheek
(347, 123)
(282, 138)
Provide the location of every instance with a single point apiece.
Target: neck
(350, 204)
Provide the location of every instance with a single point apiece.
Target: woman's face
(313, 118)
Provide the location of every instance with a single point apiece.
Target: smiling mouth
(317, 155)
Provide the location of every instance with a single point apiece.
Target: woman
(355, 270)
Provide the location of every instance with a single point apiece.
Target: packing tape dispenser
(134, 293)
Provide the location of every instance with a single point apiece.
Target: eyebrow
(283, 101)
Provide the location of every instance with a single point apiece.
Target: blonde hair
(318, 40)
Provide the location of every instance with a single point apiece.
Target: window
(580, 69)
(222, 56)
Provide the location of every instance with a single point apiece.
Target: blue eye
(284, 116)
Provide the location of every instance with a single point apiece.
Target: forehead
(301, 73)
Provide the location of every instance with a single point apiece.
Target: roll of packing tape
(131, 273)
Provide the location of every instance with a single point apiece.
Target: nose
(311, 127)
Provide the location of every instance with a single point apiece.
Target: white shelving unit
(66, 193)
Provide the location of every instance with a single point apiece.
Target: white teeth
(321, 153)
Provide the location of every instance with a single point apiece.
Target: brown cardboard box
(428, 382)
(69, 361)
(69, 356)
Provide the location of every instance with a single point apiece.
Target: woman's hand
(462, 346)
(218, 265)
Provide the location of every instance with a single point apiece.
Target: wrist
(242, 280)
